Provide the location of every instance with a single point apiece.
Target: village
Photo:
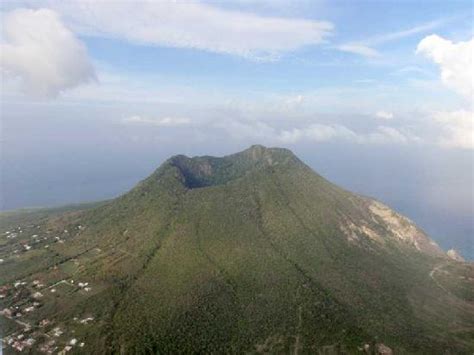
(26, 303)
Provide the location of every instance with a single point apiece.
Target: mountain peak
(260, 152)
(205, 171)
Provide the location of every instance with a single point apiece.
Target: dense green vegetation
(253, 252)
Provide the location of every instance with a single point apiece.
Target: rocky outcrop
(453, 254)
(382, 349)
(403, 229)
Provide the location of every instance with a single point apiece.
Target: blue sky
(357, 88)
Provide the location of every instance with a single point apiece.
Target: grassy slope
(257, 263)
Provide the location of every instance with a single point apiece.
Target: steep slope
(253, 252)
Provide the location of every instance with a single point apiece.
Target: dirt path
(24, 325)
(63, 281)
(432, 276)
(297, 338)
(127, 253)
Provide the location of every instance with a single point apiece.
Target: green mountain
(249, 253)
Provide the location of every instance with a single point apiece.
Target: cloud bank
(41, 54)
(458, 128)
(314, 132)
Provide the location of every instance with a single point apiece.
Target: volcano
(248, 253)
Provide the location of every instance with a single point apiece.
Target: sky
(377, 96)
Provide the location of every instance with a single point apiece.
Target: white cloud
(392, 36)
(456, 65)
(42, 54)
(365, 47)
(295, 100)
(385, 134)
(325, 132)
(384, 115)
(411, 70)
(361, 49)
(457, 127)
(314, 132)
(317, 133)
(160, 122)
(193, 25)
(455, 61)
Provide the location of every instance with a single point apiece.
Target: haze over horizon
(375, 96)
